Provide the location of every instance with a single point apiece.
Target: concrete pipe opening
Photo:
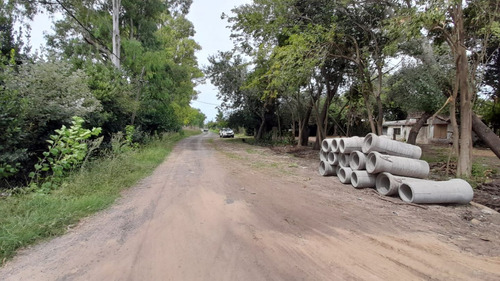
(345, 175)
(323, 156)
(337, 170)
(406, 193)
(371, 161)
(344, 159)
(354, 179)
(362, 179)
(326, 145)
(336, 145)
(367, 143)
(358, 160)
(383, 185)
(326, 169)
(333, 158)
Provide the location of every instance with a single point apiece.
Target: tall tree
(468, 27)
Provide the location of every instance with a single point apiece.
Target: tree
(466, 27)
(417, 89)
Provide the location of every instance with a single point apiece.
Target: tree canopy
(151, 90)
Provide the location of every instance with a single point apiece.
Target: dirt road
(223, 210)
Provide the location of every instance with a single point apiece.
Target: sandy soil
(223, 210)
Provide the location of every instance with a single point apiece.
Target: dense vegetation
(348, 65)
(129, 94)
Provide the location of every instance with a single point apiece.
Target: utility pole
(116, 34)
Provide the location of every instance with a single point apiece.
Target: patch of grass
(251, 151)
(434, 154)
(29, 218)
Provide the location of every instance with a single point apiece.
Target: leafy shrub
(67, 150)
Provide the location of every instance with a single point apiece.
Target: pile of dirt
(488, 194)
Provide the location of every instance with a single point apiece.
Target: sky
(212, 35)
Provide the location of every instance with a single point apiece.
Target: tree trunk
(116, 34)
(412, 137)
(304, 128)
(486, 135)
(261, 129)
(378, 99)
(380, 115)
(453, 120)
(464, 167)
(319, 125)
(369, 113)
(317, 142)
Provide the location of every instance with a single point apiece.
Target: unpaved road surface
(224, 210)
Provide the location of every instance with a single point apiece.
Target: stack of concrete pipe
(392, 167)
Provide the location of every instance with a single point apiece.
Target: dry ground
(224, 210)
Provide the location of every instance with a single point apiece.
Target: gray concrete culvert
(358, 160)
(344, 159)
(326, 145)
(454, 191)
(348, 145)
(388, 184)
(336, 145)
(344, 175)
(362, 179)
(373, 142)
(323, 155)
(401, 166)
(333, 158)
(326, 169)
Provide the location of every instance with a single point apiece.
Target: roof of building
(438, 120)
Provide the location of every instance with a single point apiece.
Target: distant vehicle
(205, 130)
(226, 133)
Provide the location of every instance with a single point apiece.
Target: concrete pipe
(388, 184)
(323, 155)
(326, 169)
(344, 159)
(336, 145)
(373, 142)
(361, 179)
(348, 145)
(326, 145)
(358, 160)
(337, 170)
(344, 175)
(333, 158)
(400, 166)
(454, 191)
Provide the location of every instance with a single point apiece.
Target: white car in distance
(226, 133)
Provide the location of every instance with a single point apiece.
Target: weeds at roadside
(31, 217)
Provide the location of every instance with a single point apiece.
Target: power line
(207, 103)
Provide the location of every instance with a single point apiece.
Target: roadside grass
(484, 167)
(30, 218)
